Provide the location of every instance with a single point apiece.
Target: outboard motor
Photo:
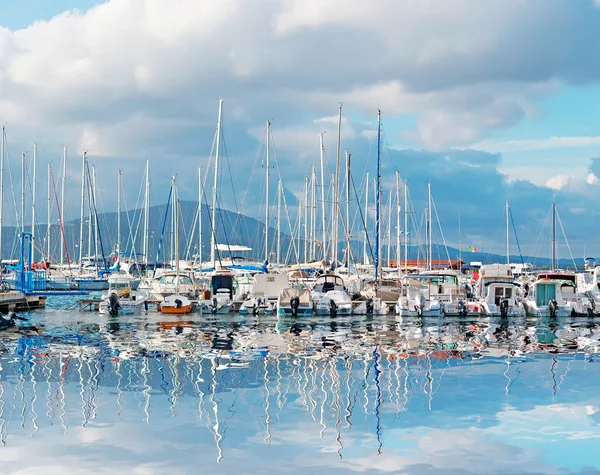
(462, 308)
(332, 308)
(178, 303)
(214, 305)
(294, 304)
(419, 305)
(256, 306)
(591, 307)
(369, 304)
(552, 307)
(504, 308)
(113, 304)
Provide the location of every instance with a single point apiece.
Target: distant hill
(231, 228)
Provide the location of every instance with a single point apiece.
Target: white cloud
(537, 144)
(558, 182)
(592, 179)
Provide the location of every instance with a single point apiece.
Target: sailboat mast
(279, 192)
(213, 243)
(348, 157)
(94, 214)
(366, 215)
(49, 221)
(398, 210)
(200, 214)
(118, 214)
(62, 204)
(306, 218)
(313, 217)
(23, 192)
(176, 224)
(84, 160)
(430, 242)
(378, 195)
(33, 197)
(323, 210)
(336, 200)
(146, 214)
(406, 233)
(389, 228)
(2, 184)
(267, 192)
(553, 236)
(507, 236)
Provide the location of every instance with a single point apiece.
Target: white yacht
(169, 283)
(120, 298)
(498, 291)
(418, 298)
(263, 295)
(326, 283)
(220, 297)
(551, 295)
(334, 303)
(372, 305)
(295, 302)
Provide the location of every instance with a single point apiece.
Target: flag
(472, 249)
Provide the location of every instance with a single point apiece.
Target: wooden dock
(14, 301)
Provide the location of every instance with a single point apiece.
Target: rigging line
(538, 242)
(293, 241)
(211, 226)
(566, 241)
(516, 237)
(137, 216)
(362, 218)
(93, 206)
(60, 220)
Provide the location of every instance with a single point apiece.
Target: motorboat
(371, 306)
(176, 304)
(432, 294)
(220, 298)
(263, 296)
(172, 283)
(120, 298)
(499, 292)
(550, 295)
(295, 302)
(326, 283)
(334, 303)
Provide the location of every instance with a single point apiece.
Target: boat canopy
(232, 248)
(503, 282)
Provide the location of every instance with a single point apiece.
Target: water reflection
(254, 394)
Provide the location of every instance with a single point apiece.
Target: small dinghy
(176, 304)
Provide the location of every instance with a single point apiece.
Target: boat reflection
(330, 376)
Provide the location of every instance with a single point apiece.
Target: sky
(488, 101)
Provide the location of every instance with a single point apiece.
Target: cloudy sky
(489, 101)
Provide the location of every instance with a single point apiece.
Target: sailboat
(176, 303)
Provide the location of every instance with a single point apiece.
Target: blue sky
(130, 80)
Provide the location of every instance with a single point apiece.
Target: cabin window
(508, 292)
(545, 293)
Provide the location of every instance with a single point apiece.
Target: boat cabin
(222, 281)
(553, 286)
(328, 282)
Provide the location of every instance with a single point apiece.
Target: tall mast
(377, 195)
(118, 214)
(313, 219)
(348, 209)
(398, 256)
(33, 196)
(430, 241)
(507, 234)
(23, 192)
(200, 189)
(279, 192)
(94, 215)
(305, 218)
(49, 221)
(406, 234)
(176, 224)
(213, 234)
(459, 246)
(62, 204)
(389, 230)
(83, 160)
(267, 204)
(2, 184)
(146, 214)
(323, 210)
(366, 215)
(336, 199)
(553, 236)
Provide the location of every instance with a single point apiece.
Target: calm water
(80, 393)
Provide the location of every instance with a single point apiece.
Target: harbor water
(152, 394)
